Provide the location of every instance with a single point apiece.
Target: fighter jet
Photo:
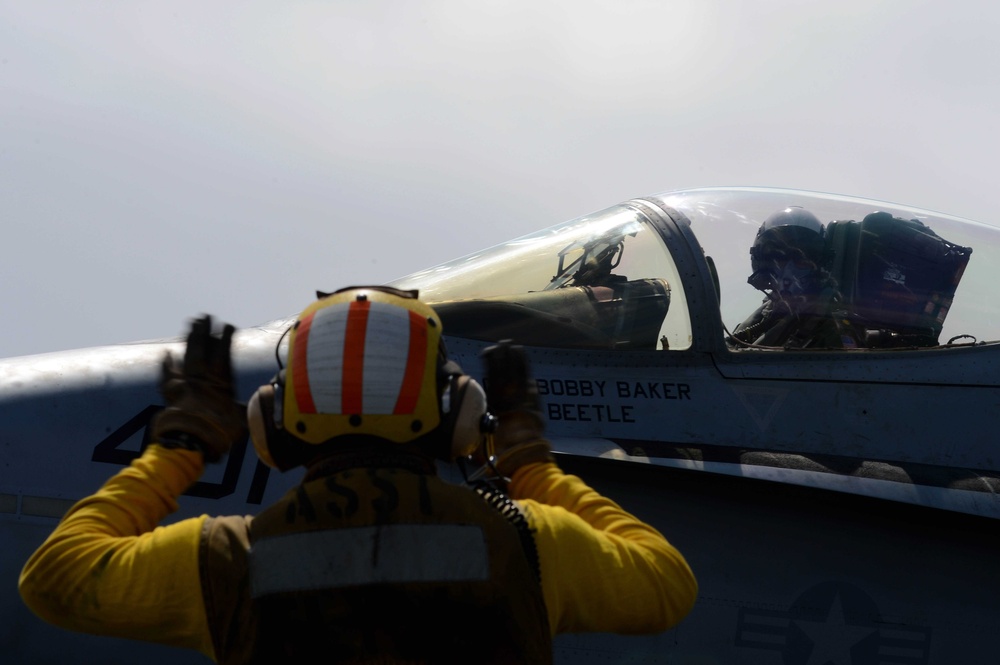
(800, 390)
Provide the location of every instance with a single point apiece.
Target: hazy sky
(160, 160)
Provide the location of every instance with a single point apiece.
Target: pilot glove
(512, 396)
(202, 412)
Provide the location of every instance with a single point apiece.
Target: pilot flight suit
(108, 568)
(814, 322)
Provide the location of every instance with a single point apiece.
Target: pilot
(802, 307)
(373, 557)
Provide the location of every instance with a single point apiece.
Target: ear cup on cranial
(260, 421)
(274, 445)
(467, 406)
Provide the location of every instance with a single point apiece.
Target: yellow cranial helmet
(366, 362)
(363, 361)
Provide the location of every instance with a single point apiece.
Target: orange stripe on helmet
(300, 369)
(416, 358)
(354, 357)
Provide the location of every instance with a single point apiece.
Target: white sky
(160, 160)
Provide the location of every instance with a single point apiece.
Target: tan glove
(512, 396)
(202, 412)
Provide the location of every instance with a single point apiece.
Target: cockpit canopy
(633, 276)
(603, 281)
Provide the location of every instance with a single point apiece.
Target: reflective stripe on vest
(392, 553)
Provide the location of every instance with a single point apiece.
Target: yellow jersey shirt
(109, 569)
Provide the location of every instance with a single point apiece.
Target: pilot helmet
(365, 364)
(789, 242)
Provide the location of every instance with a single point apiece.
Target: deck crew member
(373, 557)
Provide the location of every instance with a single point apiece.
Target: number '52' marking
(108, 451)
